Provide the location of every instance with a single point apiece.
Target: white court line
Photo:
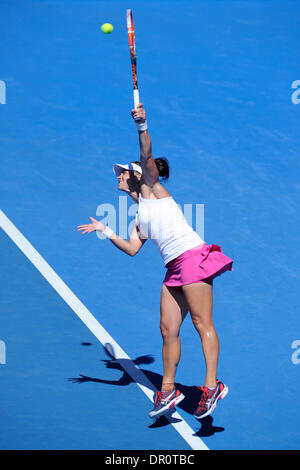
(95, 327)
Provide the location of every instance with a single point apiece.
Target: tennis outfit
(186, 256)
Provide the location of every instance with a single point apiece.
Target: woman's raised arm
(149, 168)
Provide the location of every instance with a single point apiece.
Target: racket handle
(136, 97)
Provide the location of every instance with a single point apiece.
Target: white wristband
(108, 232)
(141, 126)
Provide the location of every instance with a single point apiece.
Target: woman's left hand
(88, 228)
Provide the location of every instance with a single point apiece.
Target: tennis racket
(132, 48)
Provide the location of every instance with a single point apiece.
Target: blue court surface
(219, 81)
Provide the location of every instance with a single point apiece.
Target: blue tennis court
(219, 81)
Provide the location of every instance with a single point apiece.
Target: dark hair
(163, 167)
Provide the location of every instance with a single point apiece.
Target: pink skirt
(200, 264)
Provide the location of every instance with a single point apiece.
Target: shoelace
(158, 399)
(204, 396)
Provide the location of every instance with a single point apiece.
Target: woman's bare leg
(173, 310)
(199, 298)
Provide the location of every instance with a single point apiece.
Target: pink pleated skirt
(200, 264)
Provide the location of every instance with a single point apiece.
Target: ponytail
(163, 167)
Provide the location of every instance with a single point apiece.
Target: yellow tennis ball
(107, 28)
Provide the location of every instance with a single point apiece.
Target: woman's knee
(202, 325)
(169, 332)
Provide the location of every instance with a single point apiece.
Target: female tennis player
(191, 267)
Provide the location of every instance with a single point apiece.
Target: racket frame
(132, 49)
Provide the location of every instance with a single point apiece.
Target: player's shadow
(153, 380)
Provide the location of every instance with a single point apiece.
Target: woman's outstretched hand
(88, 228)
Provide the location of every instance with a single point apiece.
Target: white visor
(118, 168)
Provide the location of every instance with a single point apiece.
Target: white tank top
(163, 222)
